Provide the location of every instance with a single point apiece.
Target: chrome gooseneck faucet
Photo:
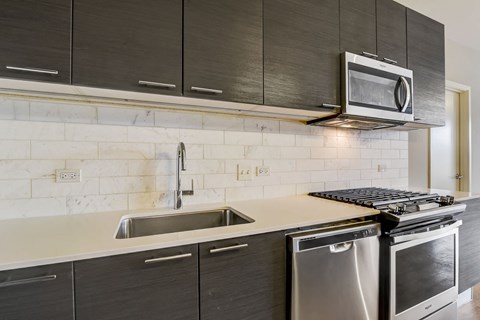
(181, 158)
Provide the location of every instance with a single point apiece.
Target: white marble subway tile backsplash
(127, 157)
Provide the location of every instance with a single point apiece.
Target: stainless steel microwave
(375, 95)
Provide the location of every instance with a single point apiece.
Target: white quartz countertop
(458, 195)
(38, 241)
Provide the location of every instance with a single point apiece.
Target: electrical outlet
(382, 168)
(263, 171)
(68, 175)
(244, 173)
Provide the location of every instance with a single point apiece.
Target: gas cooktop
(398, 206)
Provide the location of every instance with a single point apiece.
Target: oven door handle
(416, 236)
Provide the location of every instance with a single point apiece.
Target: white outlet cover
(68, 175)
(263, 171)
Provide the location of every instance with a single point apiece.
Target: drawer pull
(391, 61)
(369, 55)
(231, 248)
(35, 70)
(156, 84)
(206, 90)
(163, 259)
(27, 281)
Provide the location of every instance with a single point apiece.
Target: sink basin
(160, 224)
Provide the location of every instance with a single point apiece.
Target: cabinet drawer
(44, 292)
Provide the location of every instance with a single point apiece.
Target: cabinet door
(469, 250)
(243, 278)
(129, 287)
(223, 57)
(358, 26)
(392, 31)
(426, 57)
(128, 45)
(301, 53)
(35, 40)
(44, 292)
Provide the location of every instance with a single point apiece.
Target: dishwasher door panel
(338, 281)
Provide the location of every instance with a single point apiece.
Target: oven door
(376, 89)
(423, 272)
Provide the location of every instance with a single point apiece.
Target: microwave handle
(408, 94)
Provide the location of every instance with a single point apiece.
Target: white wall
(127, 157)
(463, 66)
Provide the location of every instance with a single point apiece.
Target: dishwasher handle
(341, 247)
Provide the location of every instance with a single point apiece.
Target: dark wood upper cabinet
(243, 278)
(223, 50)
(469, 250)
(128, 45)
(35, 40)
(426, 57)
(358, 26)
(140, 286)
(392, 32)
(44, 292)
(301, 53)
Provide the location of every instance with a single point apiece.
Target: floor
(471, 310)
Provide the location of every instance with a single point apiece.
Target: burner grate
(374, 197)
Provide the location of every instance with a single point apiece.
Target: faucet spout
(182, 154)
(181, 160)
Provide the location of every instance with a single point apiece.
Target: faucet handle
(188, 192)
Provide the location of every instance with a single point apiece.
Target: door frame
(465, 133)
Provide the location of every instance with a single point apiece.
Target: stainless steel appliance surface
(335, 272)
(376, 94)
(418, 250)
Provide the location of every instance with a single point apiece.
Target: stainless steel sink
(150, 225)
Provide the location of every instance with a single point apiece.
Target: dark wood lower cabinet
(41, 293)
(160, 284)
(469, 239)
(243, 278)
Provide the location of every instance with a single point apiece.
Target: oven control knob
(399, 208)
(447, 200)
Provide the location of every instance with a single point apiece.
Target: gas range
(419, 241)
(398, 208)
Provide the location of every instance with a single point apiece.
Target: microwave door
(403, 94)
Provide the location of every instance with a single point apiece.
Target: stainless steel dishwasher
(335, 272)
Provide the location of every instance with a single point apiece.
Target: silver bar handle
(231, 248)
(331, 107)
(391, 61)
(170, 258)
(27, 281)
(35, 70)
(206, 90)
(156, 84)
(426, 234)
(370, 55)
